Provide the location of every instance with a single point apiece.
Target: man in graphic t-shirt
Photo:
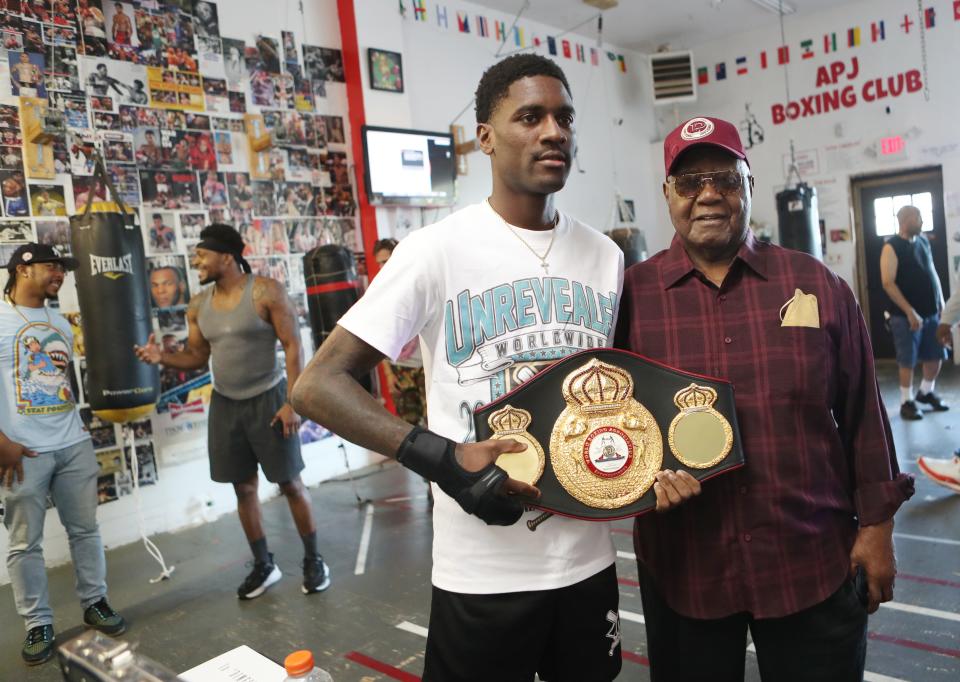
(496, 292)
(45, 450)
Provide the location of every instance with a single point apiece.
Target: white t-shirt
(489, 318)
(37, 405)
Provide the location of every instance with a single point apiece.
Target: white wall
(442, 67)
(844, 142)
(184, 494)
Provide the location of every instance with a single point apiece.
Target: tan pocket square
(801, 311)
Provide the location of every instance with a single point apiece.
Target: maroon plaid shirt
(773, 537)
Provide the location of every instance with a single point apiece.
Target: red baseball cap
(702, 130)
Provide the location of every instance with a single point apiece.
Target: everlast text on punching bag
(114, 306)
(799, 220)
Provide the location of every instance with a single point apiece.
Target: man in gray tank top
(235, 324)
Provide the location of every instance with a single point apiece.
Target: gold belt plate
(699, 436)
(527, 465)
(605, 447)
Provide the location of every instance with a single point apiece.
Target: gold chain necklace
(543, 259)
(20, 313)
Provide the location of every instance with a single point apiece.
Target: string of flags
(832, 42)
(472, 23)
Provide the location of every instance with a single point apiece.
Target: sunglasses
(689, 185)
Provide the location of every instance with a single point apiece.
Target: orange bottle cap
(299, 662)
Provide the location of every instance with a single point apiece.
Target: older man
(797, 545)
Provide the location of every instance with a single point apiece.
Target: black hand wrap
(432, 456)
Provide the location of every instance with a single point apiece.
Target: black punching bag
(332, 287)
(114, 307)
(798, 218)
(632, 242)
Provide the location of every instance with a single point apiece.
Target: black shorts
(239, 437)
(570, 634)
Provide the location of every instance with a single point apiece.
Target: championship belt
(600, 424)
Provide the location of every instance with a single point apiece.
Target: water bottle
(300, 668)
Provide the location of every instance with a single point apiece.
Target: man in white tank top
(235, 325)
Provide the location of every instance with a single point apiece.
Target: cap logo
(696, 129)
(27, 257)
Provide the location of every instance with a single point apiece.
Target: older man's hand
(873, 551)
(674, 488)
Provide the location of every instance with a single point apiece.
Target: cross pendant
(545, 266)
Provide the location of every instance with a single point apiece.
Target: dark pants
(570, 634)
(824, 643)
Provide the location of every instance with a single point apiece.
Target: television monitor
(409, 167)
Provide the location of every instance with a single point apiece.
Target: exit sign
(892, 145)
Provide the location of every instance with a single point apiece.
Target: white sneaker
(946, 472)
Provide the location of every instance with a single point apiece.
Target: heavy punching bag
(798, 218)
(332, 287)
(114, 306)
(632, 242)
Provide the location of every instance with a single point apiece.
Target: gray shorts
(239, 437)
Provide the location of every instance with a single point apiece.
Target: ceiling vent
(673, 77)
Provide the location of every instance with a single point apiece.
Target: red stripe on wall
(352, 66)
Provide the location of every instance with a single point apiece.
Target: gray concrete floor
(196, 615)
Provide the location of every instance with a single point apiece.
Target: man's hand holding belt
(467, 473)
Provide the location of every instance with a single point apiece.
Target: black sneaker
(316, 575)
(910, 411)
(261, 577)
(933, 400)
(101, 617)
(38, 646)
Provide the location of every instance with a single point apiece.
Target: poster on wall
(234, 66)
(93, 30)
(123, 82)
(206, 26)
(73, 105)
(323, 63)
(47, 200)
(126, 76)
(26, 74)
(169, 189)
(168, 289)
(170, 89)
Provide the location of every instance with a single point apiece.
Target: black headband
(211, 244)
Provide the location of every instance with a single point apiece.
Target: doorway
(876, 200)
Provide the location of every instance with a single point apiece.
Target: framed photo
(386, 70)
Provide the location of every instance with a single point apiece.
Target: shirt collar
(677, 264)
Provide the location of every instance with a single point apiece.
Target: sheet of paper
(242, 663)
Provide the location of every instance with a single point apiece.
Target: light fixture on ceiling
(775, 6)
(602, 4)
